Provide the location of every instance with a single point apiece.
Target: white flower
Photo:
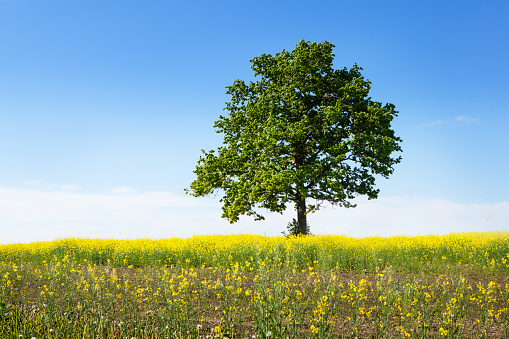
(269, 334)
(198, 327)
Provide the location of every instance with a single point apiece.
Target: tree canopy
(303, 133)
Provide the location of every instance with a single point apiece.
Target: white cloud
(29, 215)
(413, 215)
(466, 119)
(43, 186)
(32, 183)
(433, 123)
(67, 188)
(123, 190)
(460, 119)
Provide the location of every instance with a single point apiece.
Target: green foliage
(303, 131)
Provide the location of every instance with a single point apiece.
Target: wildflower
(198, 327)
(443, 331)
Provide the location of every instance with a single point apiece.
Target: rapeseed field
(251, 286)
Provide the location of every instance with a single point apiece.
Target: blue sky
(105, 106)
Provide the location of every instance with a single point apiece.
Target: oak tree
(302, 133)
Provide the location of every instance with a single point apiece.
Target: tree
(301, 131)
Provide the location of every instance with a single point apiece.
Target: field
(250, 286)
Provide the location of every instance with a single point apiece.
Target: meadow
(251, 286)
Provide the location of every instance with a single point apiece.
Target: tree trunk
(300, 201)
(301, 215)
